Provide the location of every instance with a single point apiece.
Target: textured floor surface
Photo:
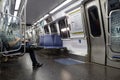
(21, 69)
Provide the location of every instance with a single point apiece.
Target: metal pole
(23, 12)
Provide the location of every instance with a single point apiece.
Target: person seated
(15, 44)
(31, 53)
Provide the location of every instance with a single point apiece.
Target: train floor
(52, 69)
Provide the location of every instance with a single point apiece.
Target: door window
(94, 21)
(114, 23)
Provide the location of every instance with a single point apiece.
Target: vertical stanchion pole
(23, 25)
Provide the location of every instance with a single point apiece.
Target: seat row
(50, 41)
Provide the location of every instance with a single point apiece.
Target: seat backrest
(57, 41)
(48, 40)
(41, 41)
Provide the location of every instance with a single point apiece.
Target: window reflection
(94, 21)
(53, 28)
(9, 29)
(64, 29)
(46, 29)
(115, 31)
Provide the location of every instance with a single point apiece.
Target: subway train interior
(68, 39)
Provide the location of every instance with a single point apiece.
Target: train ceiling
(38, 8)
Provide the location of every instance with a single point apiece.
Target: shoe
(37, 65)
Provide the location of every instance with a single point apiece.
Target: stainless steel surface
(105, 8)
(97, 44)
(113, 48)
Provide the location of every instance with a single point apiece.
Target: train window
(46, 29)
(48, 19)
(94, 21)
(10, 30)
(113, 4)
(114, 23)
(53, 28)
(64, 31)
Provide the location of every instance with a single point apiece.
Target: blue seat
(48, 41)
(57, 41)
(41, 41)
(52, 41)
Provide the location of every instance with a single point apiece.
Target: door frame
(87, 5)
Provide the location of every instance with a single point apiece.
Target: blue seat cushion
(41, 41)
(48, 40)
(57, 41)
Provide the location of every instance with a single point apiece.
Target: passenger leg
(35, 64)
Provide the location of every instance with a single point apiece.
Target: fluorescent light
(15, 13)
(41, 18)
(9, 20)
(35, 23)
(17, 4)
(68, 28)
(60, 6)
(46, 16)
(63, 29)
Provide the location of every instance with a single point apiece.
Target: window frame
(92, 31)
(66, 25)
(46, 30)
(53, 31)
